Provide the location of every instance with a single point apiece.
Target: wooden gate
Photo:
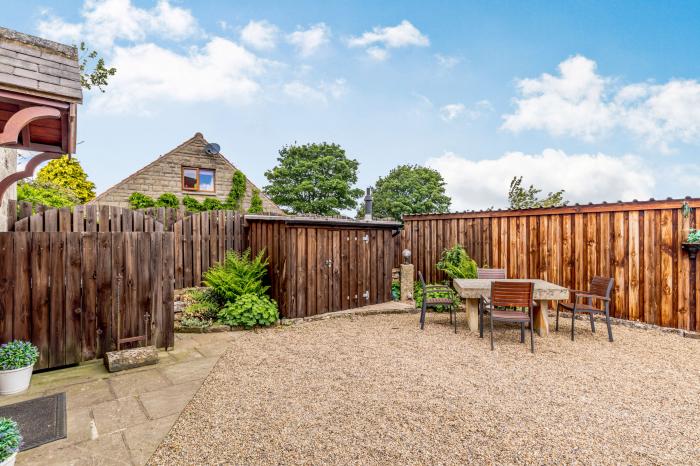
(60, 291)
(320, 265)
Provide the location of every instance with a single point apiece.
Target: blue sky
(600, 99)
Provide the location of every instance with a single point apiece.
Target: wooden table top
(473, 288)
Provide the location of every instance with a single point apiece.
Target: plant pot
(10, 461)
(15, 381)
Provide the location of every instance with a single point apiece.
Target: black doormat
(41, 420)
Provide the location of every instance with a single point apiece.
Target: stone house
(186, 170)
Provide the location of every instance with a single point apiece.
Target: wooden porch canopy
(39, 92)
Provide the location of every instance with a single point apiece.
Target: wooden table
(472, 289)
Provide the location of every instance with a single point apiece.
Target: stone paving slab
(121, 418)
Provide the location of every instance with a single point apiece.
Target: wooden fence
(70, 293)
(637, 243)
(325, 265)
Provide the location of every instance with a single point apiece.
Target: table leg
(472, 307)
(541, 318)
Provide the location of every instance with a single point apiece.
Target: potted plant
(17, 360)
(692, 244)
(10, 441)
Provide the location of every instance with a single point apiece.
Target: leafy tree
(521, 198)
(67, 173)
(409, 189)
(256, 205)
(235, 195)
(47, 194)
(314, 179)
(141, 201)
(93, 71)
(167, 200)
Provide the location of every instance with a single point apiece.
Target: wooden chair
(487, 274)
(435, 302)
(506, 299)
(600, 289)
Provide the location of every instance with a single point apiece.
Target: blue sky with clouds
(601, 100)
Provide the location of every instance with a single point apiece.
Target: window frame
(197, 189)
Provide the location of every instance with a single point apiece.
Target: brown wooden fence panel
(59, 290)
(637, 243)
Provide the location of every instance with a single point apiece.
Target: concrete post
(406, 282)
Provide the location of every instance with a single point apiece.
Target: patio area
(376, 389)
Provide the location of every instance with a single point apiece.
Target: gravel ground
(377, 390)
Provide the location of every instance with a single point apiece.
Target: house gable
(164, 175)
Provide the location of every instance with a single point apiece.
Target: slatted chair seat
(600, 290)
(438, 301)
(513, 316)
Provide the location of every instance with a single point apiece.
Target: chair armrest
(584, 294)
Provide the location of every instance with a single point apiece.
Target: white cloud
(105, 21)
(148, 73)
(446, 61)
(451, 112)
(322, 93)
(309, 41)
(480, 184)
(379, 39)
(261, 35)
(377, 53)
(581, 103)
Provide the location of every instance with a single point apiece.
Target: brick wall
(164, 176)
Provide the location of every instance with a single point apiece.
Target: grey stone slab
(118, 414)
(143, 439)
(12, 79)
(134, 383)
(188, 371)
(170, 400)
(85, 394)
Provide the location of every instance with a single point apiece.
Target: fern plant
(456, 263)
(237, 275)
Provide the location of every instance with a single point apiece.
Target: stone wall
(8, 165)
(164, 175)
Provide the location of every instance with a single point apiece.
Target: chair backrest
(491, 274)
(422, 281)
(601, 286)
(512, 294)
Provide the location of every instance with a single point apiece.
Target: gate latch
(365, 294)
(365, 238)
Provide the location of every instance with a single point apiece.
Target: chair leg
(607, 320)
(556, 327)
(573, 321)
(522, 332)
(491, 325)
(455, 319)
(532, 334)
(481, 319)
(592, 323)
(422, 315)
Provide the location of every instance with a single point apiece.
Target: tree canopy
(409, 189)
(67, 173)
(522, 198)
(93, 71)
(314, 179)
(47, 194)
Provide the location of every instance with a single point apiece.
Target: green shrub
(395, 290)
(167, 200)
(17, 354)
(141, 201)
(195, 322)
(256, 205)
(456, 263)
(237, 275)
(203, 304)
(10, 438)
(235, 195)
(693, 236)
(211, 203)
(249, 310)
(46, 193)
(192, 204)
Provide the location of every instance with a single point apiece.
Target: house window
(197, 179)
